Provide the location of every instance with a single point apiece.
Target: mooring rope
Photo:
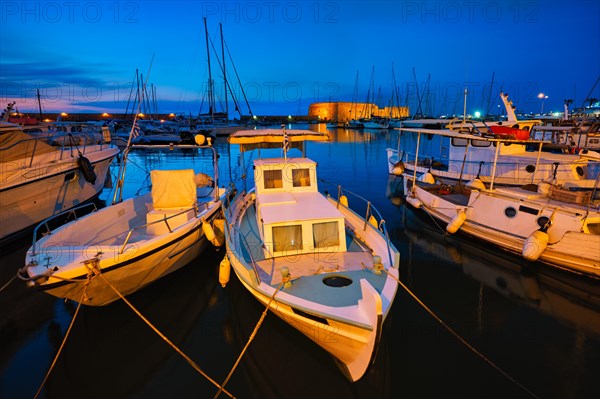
(461, 339)
(64, 341)
(8, 283)
(160, 334)
(252, 335)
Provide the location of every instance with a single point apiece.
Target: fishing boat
(540, 221)
(39, 180)
(119, 249)
(327, 271)
(452, 156)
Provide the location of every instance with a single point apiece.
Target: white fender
(534, 245)
(456, 222)
(209, 233)
(427, 177)
(224, 271)
(414, 201)
(398, 168)
(476, 184)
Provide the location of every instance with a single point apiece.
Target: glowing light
(140, 115)
(64, 114)
(105, 114)
(477, 114)
(171, 115)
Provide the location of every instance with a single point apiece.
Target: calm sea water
(539, 326)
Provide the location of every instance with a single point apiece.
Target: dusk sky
(83, 55)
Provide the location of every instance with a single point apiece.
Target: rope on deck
(461, 339)
(195, 366)
(252, 335)
(64, 341)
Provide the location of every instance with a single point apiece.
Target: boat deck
(308, 271)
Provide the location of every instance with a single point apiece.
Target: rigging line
(98, 272)
(238, 78)
(461, 339)
(254, 332)
(64, 341)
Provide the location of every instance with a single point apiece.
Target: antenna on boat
(133, 133)
(465, 106)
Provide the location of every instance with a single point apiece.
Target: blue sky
(82, 55)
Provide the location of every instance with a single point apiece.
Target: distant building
(345, 111)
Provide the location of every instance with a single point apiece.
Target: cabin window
(456, 142)
(273, 178)
(480, 143)
(300, 178)
(287, 238)
(326, 234)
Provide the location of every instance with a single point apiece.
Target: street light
(542, 97)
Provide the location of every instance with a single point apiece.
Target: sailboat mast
(224, 72)
(40, 105)
(210, 81)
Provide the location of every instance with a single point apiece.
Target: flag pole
(132, 132)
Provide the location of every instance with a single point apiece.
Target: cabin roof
(468, 136)
(279, 161)
(285, 207)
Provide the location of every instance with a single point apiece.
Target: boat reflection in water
(112, 353)
(281, 363)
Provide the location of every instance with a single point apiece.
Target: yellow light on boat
(140, 115)
(224, 271)
(105, 114)
(64, 114)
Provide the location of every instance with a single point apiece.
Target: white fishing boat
(327, 271)
(38, 180)
(119, 249)
(452, 156)
(541, 222)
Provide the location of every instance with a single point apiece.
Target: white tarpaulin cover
(173, 188)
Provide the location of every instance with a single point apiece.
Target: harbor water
(486, 324)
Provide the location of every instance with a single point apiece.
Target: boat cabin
(294, 218)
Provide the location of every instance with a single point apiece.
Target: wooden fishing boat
(542, 222)
(120, 249)
(327, 271)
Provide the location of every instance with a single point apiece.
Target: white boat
(446, 156)
(321, 267)
(540, 221)
(38, 180)
(119, 249)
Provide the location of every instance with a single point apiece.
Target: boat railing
(67, 146)
(44, 223)
(229, 224)
(164, 220)
(372, 216)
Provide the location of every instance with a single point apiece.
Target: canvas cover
(15, 144)
(173, 188)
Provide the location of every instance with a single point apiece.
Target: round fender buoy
(456, 222)
(534, 245)
(224, 271)
(86, 168)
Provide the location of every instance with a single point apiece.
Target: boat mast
(224, 73)
(40, 105)
(211, 99)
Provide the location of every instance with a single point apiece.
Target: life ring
(87, 169)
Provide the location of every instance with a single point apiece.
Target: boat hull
(568, 248)
(47, 191)
(98, 274)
